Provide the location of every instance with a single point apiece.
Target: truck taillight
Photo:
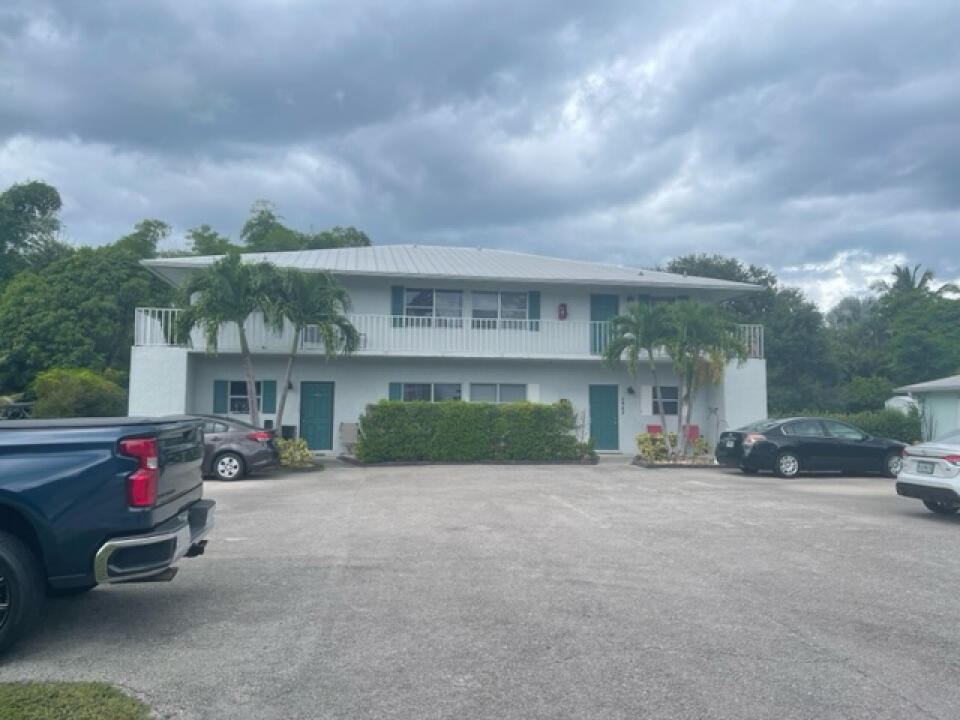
(142, 482)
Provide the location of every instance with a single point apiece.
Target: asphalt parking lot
(535, 592)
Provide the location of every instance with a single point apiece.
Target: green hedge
(456, 431)
(66, 392)
(885, 423)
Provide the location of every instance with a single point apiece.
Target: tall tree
(29, 223)
(636, 336)
(911, 280)
(229, 291)
(338, 237)
(204, 240)
(76, 312)
(264, 231)
(146, 236)
(314, 300)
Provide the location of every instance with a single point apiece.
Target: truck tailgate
(180, 452)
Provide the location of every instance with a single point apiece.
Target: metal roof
(434, 261)
(942, 384)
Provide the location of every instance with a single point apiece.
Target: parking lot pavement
(535, 592)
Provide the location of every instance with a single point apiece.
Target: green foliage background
(455, 431)
(77, 393)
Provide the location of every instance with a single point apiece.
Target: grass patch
(68, 701)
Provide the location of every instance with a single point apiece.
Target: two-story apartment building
(441, 323)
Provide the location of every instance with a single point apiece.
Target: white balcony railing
(413, 336)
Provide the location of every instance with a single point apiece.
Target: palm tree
(316, 300)
(702, 341)
(228, 291)
(906, 279)
(637, 334)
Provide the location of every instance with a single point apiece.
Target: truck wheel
(228, 466)
(941, 508)
(21, 590)
(787, 465)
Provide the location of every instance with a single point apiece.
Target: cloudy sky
(819, 139)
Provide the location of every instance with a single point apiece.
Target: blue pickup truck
(95, 500)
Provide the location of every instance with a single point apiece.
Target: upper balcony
(402, 336)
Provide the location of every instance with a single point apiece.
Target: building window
(509, 309)
(237, 402)
(446, 391)
(426, 392)
(425, 307)
(416, 391)
(492, 392)
(671, 400)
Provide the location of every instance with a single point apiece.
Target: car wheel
(787, 465)
(892, 464)
(749, 471)
(21, 590)
(228, 466)
(941, 508)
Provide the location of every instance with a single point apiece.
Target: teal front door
(602, 308)
(316, 414)
(604, 418)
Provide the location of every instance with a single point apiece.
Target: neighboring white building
(939, 402)
(446, 322)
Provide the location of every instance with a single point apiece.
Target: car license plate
(925, 467)
(730, 442)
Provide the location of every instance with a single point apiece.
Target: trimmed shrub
(294, 453)
(652, 448)
(64, 392)
(456, 431)
(885, 423)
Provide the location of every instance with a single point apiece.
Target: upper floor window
(442, 308)
(506, 309)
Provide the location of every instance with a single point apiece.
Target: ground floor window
(671, 400)
(230, 396)
(437, 392)
(238, 396)
(497, 392)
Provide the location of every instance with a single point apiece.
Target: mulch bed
(682, 463)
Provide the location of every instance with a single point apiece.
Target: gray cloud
(800, 136)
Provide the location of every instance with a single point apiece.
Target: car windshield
(759, 426)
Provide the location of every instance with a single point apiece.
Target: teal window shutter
(396, 391)
(268, 396)
(220, 397)
(533, 308)
(396, 304)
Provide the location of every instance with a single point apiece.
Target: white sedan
(931, 472)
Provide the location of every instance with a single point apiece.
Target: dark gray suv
(232, 448)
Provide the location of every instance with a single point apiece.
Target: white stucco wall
(743, 394)
(158, 380)
(362, 380)
(941, 413)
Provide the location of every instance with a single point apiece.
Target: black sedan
(232, 449)
(792, 445)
